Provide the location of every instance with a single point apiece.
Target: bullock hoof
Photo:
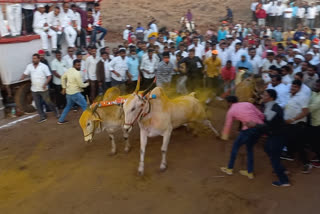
(112, 153)
(140, 173)
(163, 167)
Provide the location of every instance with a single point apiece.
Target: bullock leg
(126, 140)
(143, 144)
(209, 124)
(164, 149)
(113, 145)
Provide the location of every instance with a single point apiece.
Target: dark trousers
(314, 135)
(194, 82)
(295, 140)
(28, 20)
(82, 38)
(44, 95)
(254, 17)
(248, 137)
(273, 148)
(95, 32)
(60, 98)
(272, 21)
(131, 86)
(146, 83)
(119, 84)
(278, 21)
(214, 84)
(93, 89)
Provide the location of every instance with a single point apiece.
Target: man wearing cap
(213, 71)
(41, 27)
(302, 46)
(298, 59)
(315, 50)
(311, 58)
(126, 32)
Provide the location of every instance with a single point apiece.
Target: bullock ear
(138, 86)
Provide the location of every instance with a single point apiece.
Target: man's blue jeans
(77, 98)
(95, 31)
(248, 137)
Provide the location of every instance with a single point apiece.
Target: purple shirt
(84, 18)
(189, 16)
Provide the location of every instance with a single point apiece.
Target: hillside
(118, 13)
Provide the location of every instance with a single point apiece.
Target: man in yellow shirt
(72, 84)
(213, 70)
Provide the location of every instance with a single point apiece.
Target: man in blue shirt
(245, 65)
(133, 68)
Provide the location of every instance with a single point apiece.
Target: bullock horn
(138, 86)
(95, 108)
(145, 92)
(88, 101)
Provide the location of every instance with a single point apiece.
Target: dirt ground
(116, 14)
(48, 169)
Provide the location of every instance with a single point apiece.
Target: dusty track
(47, 169)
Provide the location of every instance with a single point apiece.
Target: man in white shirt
(126, 32)
(304, 88)
(55, 24)
(58, 68)
(27, 10)
(154, 26)
(300, 14)
(282, 90)
(91, 66)
(40, 77)
(119, 71)
(68, 21)
(13, 13)
(41, 27)
(286, 76)
(68, 59)
(255, 60)
(182, 50)
(295, 115)
(311, 15)
(287, 14)
(298, 59)
(3, 28)
(310, 77)
(236, 53)
(148, 67)
(77, 23)
(199, 49)
(223, 53)
(279, 12)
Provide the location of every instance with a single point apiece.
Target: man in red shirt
(228, 74)
(261, 16)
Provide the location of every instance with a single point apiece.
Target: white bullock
(159, 116)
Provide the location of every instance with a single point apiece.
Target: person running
(246, 113)
(72, 85)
